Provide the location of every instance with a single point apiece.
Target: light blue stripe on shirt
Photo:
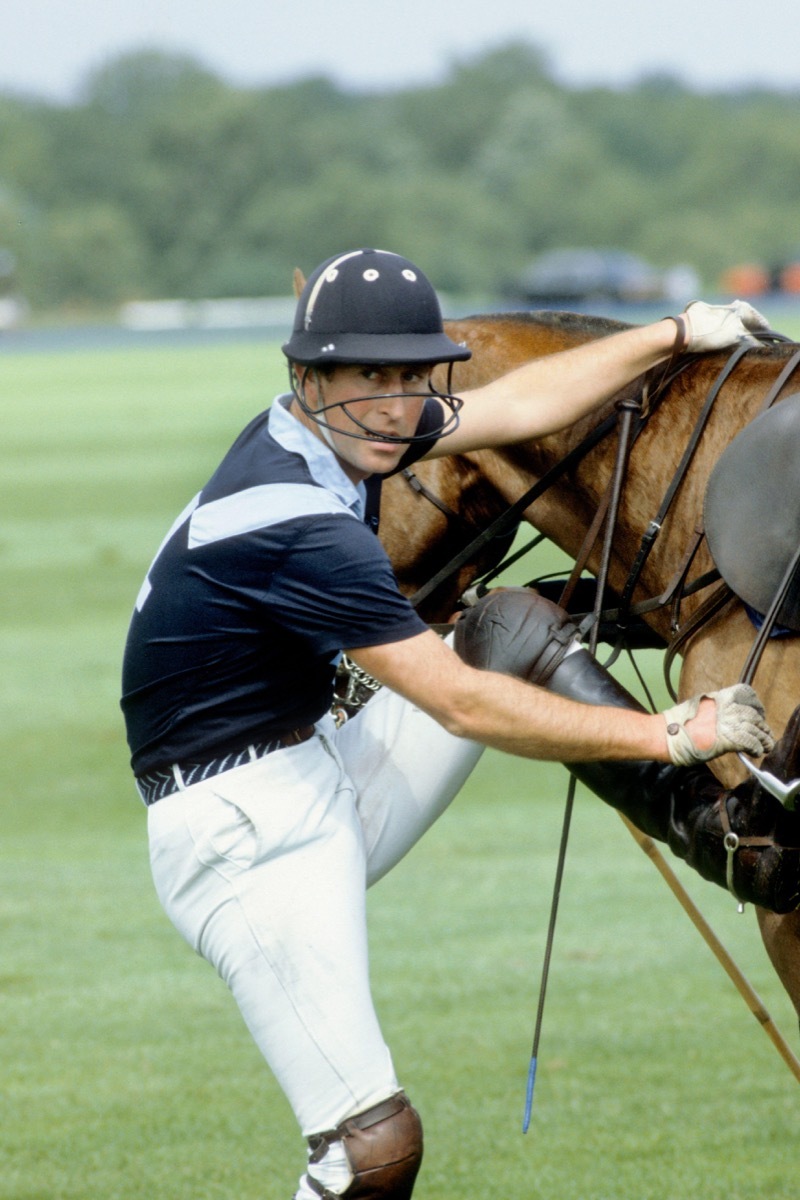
(258, 508)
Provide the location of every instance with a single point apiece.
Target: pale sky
(48, 46)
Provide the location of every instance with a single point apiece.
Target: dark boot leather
(743, 840)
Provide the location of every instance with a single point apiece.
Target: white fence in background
(265, 311)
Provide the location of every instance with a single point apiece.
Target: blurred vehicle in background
(570, 275)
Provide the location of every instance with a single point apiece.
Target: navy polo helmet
(370, 306)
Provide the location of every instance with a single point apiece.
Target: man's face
(380, 400)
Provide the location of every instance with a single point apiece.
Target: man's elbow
(461, 714)
(456, 725)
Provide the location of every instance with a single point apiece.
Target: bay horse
(452, 499)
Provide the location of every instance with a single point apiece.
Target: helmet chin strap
(299, 390)
(325, 430)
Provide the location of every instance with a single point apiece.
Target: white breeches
(264, 869)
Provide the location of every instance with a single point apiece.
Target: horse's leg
(781, 936)
(715, 660)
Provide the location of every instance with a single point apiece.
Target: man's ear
(302, 377)
(299, 282)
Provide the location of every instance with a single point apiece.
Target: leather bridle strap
(712, 604)
(592, 534)
(654, 528)
(785, 375)
(724, 594)
(511, 516)
(416, 484)
(614, 483)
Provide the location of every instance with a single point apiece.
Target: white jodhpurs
(264, 870)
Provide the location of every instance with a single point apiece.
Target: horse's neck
(683, 412)
(502, 341)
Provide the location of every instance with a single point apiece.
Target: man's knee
(517, 632)
(383, 1146)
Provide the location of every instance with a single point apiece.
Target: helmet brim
(316, 349)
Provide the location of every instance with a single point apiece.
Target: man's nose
(391, 394)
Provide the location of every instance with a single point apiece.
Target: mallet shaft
(742, 985)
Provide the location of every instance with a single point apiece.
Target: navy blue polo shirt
(260, 583)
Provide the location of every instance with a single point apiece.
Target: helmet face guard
(371, 307)
(362, 432)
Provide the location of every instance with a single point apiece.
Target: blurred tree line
(163, 180)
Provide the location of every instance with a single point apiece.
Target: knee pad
(517, 632)
(383, 1147)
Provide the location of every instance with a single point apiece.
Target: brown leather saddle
(752, 512)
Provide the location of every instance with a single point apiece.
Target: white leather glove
(741, 725)
(714, 326)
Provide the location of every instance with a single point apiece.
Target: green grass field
(127, 1074)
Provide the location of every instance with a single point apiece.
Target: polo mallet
(739, 980)
(741, 984)
(548, 950)
(626, 408)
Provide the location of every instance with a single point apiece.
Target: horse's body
(478, 487)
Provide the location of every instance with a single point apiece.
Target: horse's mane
(569, 322)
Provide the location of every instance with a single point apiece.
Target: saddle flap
(752, 510)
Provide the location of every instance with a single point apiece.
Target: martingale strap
(511, 517)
